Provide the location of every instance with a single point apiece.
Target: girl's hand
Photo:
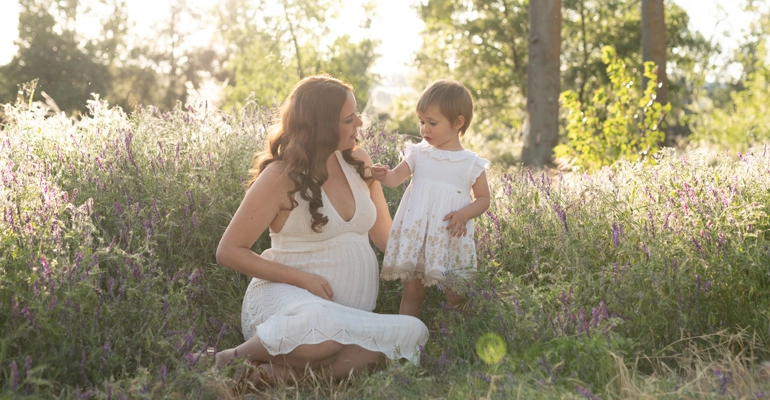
(380, 172)
(457, 224)
(317, 285)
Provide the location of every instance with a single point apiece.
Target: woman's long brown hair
(304, 139)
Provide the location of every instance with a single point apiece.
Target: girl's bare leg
(412, 297)
(455, 300)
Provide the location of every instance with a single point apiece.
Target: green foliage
(484, 44)
(274, 46)
(51, 51)
(110, 228)
(735, 115)
(597, 284)
(589, 26)
(620, 122)
(742, 123)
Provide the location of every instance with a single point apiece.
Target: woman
(310, 300)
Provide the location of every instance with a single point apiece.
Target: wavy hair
(304, 138)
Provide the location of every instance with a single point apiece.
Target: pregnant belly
(350, 268)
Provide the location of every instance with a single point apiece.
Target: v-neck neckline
(350, 187)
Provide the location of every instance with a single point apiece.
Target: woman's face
(349, 124)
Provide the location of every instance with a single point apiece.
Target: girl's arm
(262, 204)
(391, 178)
(381, 228)
(480, 203)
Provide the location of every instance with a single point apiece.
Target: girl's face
(349, 124)
(438, 131)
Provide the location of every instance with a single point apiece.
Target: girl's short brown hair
(453, 100)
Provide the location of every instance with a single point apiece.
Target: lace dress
(284, 316)
(420, 246)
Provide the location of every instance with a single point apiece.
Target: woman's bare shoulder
(362, 155)
(274, 177)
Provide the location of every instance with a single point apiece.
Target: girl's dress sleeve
(479, 165)
(409, 154)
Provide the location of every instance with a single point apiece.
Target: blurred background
(169, 53)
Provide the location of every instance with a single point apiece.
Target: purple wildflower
(105, 350)
(423, 355)
(83, 361)
(697, 246)
(443, 361)
(652, 223)
(586, 392)
(562, 215)
(15, 374)
(28, 315)
(617, 232)
(724, 379)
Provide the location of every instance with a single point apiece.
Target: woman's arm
(480, 203)
(259, 208)
(381, 229)
(392, 178)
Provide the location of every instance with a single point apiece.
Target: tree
(69, 67)
(270, 46)
(352, 61)
(482, 43)
(541, 133)
(159, 69)
(617, 23)
(654, 43)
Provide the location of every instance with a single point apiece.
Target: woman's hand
(457, 223)
(317, 285)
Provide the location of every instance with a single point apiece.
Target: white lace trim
(396, 336)
(405, 272)
(393, 274)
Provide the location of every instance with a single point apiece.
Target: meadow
(640, 280)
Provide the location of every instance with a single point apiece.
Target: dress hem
(406, 271)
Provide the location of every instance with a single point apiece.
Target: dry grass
(717, 365)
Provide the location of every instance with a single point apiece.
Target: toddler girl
(431, 240)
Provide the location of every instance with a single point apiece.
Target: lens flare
(491, 348)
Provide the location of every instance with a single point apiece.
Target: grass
(635, 281)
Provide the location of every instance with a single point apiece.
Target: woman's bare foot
(211, 357)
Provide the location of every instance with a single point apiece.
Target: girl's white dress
(285, 316)
(420, 246)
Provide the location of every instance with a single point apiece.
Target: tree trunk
(294, 40)
(654, 43)
(541, 130)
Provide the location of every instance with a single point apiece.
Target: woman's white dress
(420, 246)
(284, 316)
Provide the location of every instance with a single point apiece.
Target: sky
(397, 26)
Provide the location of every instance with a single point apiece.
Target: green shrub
(742, 123)
(620, 122)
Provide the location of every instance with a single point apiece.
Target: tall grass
(632, 281)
